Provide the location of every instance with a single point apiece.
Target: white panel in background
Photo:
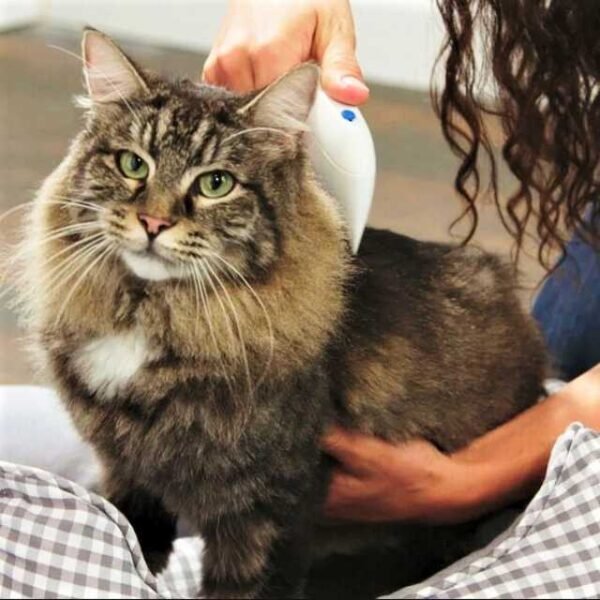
(190, 24)
(18, 13)
(398, 40)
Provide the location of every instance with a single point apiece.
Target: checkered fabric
(59, 541)
(552, 550)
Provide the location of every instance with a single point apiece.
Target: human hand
(378, 481)
(260, 40)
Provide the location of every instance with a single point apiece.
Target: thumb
(341, 77)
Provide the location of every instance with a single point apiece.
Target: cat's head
(169, 175)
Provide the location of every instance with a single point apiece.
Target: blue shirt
(568, 311)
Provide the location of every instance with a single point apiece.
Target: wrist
(476, 485)
(452, 492)
(498, 474)
(471, 485)
(464, 492)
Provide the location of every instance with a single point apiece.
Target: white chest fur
(109, 363)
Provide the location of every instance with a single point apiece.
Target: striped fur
(250, 329)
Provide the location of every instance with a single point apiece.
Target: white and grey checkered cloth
(59, 541)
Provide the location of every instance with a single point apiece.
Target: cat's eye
(131, 165)
(216, 184)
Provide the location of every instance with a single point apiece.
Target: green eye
(131, 165)
(216, 184)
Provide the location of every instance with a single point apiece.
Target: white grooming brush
(343, 155)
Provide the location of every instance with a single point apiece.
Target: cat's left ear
(285, 103)
(109, 74)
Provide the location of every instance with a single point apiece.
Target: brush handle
(343, 155)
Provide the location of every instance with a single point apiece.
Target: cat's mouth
(152, 251)
(149, 264)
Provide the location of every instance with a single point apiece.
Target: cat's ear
(109, 75)
(285, 103)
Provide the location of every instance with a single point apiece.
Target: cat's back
(436, 345)
(415, 270)
(436, 342)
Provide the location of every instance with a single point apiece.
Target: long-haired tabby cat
(191, 291)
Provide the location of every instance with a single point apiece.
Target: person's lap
(61, 541)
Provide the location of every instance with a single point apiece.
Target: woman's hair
(543, 57)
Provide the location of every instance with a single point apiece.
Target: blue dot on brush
(349, 115)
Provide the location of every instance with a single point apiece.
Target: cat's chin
(149, 267)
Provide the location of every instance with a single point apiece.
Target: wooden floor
(414, 193)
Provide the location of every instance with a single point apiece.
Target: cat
(192, 295)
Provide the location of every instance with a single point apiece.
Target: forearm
(509, 463)
(378, 481)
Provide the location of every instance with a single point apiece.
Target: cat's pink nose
(154, 225)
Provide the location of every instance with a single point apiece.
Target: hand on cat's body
(378, 481)
(251, 51)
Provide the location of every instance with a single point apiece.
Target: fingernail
(349, 81)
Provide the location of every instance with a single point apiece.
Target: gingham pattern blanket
(59, 541)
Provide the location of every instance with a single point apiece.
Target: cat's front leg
(251, 557)
(154, 527)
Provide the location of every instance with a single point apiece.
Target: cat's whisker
(16, 208)
(255, 130)
(75, 227)
(208, 314)
(271, 337)
(197, 294)
(59, 285)
(68, 201)
(260, 302)
(103, 75)
(22, 248)
(232, 336)
(67, 231)
(206, 277)
(105, 252)
(226, 318)
(85, 242)
(204, 298)
(26, 251)
(238, 327)
(195, 276)
(31, 203)
(108, 249)
(60, 274)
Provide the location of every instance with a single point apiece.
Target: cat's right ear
(286, 103)
(109, 74)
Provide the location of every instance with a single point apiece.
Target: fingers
(342, 496)
(245, 69)
(379, 481)
(341, 77)
(251, 51)
(259, 41)
(339, 444)
(270, 63)
(230, 67)
(358, 453)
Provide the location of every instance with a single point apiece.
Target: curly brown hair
(544, 58)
